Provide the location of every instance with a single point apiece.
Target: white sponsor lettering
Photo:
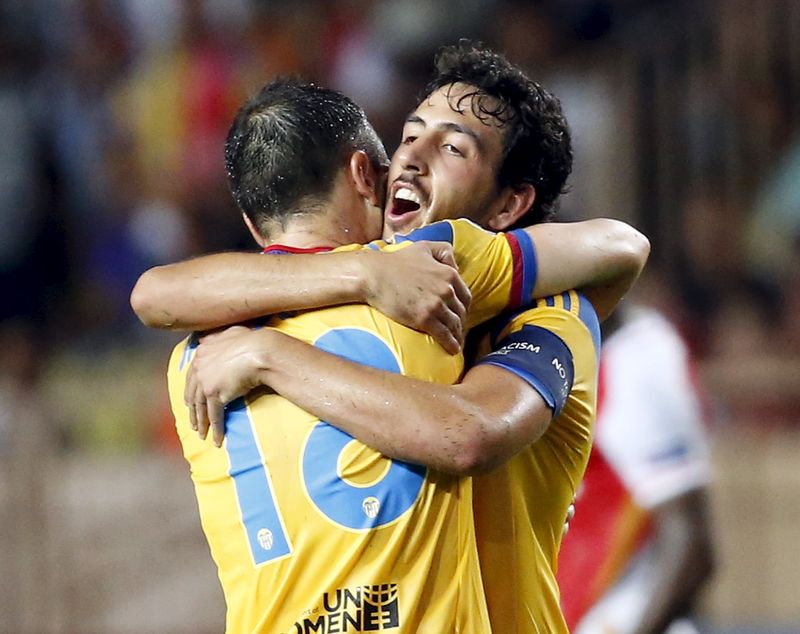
(519, 345)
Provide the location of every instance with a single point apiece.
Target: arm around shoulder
(602, 257)
(228, 288)
(462, 429)
(495, 414)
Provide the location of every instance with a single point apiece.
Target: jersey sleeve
(499, 268)
(548, 346)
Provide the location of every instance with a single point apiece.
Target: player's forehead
(462, 105)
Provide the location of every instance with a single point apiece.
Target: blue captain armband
(539, 357)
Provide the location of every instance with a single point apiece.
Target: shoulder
(553, 346)
(438, 231)
(563, 314)
(446, 231)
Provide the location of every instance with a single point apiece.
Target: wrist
(265, 353)
(276, 356)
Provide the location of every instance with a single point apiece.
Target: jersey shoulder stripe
(525, 274)
(436, 232)
(576, 303)
(523, 252)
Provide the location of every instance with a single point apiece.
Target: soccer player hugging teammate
(488, 144)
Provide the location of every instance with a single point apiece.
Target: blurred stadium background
(686, 120)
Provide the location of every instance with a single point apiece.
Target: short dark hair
(286, 146)
(537, 147)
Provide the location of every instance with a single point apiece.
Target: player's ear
(366, 177)
(517, 201)
(262, 242)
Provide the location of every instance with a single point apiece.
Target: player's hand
(225, 367)
(419, 287)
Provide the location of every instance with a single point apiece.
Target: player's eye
(409, 139)
(452, 149)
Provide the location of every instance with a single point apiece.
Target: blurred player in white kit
(639, 547)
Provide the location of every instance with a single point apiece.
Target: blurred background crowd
(113, 113)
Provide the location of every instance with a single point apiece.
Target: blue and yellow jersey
(479, 255)
(520, 508)
(311, 530)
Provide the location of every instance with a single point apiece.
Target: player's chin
(403, 223)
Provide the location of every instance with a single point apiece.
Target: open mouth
(405, 201)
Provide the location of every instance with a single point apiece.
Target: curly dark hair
(537, 147)
(286, 146)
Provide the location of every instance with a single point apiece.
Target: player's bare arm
(418, 287)
(601, 257)
(684, 557)
(464, 429)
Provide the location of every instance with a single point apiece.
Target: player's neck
(316, 230)
(341, 219)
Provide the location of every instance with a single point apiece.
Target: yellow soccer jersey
(521, 507)
(311, 530)
(479, 254)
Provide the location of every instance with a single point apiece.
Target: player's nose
(412, 156)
